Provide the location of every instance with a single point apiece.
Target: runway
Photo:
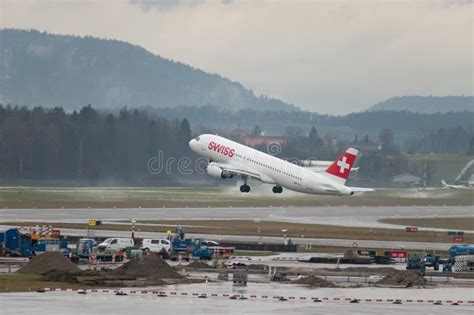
(336, 215)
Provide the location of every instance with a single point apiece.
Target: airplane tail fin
(443, 183)
(339, 170)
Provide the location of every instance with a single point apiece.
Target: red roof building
(253, 141)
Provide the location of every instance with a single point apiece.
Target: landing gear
(244, 188)
(277, 189)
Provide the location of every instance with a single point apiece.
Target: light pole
(257, 221)
(133, 229)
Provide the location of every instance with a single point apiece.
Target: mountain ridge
(39, 68)
(426, 104)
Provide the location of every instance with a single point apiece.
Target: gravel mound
(315, 282)
(48, 262)
(148, 267)
(257, 267)
(196, 264)
(60, 276)
(403, 278)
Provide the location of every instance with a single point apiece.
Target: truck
(416, 262)
(113, 249)
(462, 249)
(187, 247)
(117, 244)
(180, 246)
(432, 261)
(44, 245)
(83, 251)
(160, 246)
(384, 260)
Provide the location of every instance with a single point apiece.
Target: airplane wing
(319, 166)
(320, 169)
(238, 169)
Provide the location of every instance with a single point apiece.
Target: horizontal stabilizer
(356, 190)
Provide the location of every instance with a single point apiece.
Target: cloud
(327, 56)
(170, 4)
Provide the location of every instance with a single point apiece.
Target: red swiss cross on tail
(341, 168)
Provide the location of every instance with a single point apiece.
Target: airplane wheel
(245, 188)
(280, 190)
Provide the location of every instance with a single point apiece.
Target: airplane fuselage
(267, 168)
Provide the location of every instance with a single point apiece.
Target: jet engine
(215, 171)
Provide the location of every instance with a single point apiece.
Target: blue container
(10, 238)
(25, 246)
(463, 249)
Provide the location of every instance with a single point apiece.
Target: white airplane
(229, 159)
(446, 185)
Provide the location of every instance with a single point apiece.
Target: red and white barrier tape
(252, 296)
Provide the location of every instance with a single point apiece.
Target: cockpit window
(197, 138)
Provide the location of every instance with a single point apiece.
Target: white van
(116, 244)
(156, 245)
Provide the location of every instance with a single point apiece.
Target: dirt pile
(197, 264)
(48, 262)
(60, 276)
(147, 267)
(403, 278)
(256, 267)
(315, 282)
(358, 271)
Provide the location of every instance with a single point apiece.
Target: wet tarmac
(337, 215)
(333, 301)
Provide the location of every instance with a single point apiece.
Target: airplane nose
(192, 143)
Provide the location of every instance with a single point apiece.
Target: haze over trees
(426, 104)
(49, 144)
(454, 140)
(405, 125)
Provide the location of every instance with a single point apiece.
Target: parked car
(209, 243)
(236, 264)
(156, 245)
(116, 244)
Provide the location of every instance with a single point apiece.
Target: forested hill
(50, 144)
(427, 104)
(44, 69)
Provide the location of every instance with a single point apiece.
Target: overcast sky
(326, 56)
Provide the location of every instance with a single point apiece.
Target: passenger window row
(270, 167)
